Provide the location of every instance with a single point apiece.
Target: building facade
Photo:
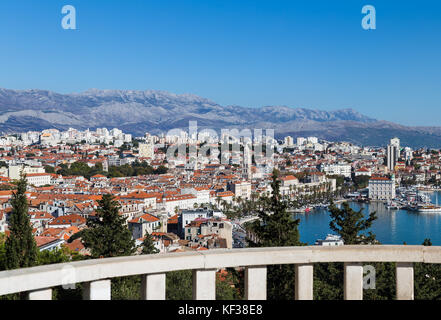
(382, 188)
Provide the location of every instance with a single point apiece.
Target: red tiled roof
(69, 219)
(41, 241)
(146, 217)
(288, 178)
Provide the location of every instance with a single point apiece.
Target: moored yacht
(429, 208)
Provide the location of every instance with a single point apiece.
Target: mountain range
(137, 112)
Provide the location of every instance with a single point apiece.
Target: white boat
(429, 209)
(392, 206)
(331, 240)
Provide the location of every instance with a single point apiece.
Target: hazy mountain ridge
(137, 112)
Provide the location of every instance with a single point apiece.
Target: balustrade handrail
(48, 276)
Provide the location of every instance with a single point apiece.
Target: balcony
(96, 274)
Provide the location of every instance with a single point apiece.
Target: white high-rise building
(312, 140)
(248, 162)
(289, 141)
(391, 157)
(393, 153)
(408, 155)
(396, 143)
(300, 141)
(115, 132)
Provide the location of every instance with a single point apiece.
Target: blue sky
(311, 54)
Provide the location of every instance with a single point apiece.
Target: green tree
(328, 277)
(107, 235)
(328, 281)
(51, 257)
(2, 251)
(147, 245)
(361, 181)
(427, 279)
(179, 285)
(340, 180)
(276, 228)
(349, 224)
(385, 288)
(226, 285)
(21, 249)
(161, 170)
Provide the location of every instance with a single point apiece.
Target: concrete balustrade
(353, 281)
(96, 274)
(404, 280)
(304, 281)
(153, 286)
(97, 290)
(204, 284)
(44, 294)
(255, 283)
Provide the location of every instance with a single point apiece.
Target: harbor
(393, 226)
(415, 199)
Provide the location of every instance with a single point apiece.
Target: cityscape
(190, 192)
(181, 200)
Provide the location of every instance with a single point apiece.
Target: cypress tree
(107, 235)
(21, 249)
(276, 227)
(147, 245)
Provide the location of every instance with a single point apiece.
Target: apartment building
(39, 179)
(337, 169)
(196, 230)
(140, 226)
(241, 189)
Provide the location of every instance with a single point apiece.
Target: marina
(415, 199)
(393, 226)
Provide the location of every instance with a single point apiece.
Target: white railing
(96, 274)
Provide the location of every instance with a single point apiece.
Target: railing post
(97, 290)
(153, 286)
(204, 284)
(353, 281)
(43, 294)
(404, 281)
(304, 281)
(255, 283)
